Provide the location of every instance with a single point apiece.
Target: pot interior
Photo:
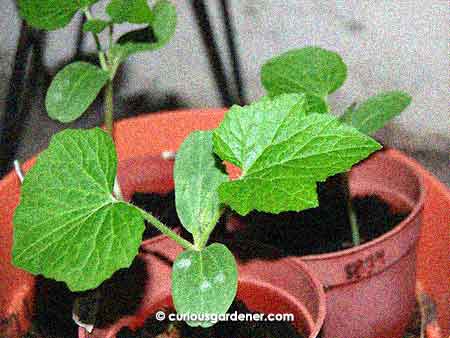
(258, 297)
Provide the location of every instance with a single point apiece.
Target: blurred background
(215, 57)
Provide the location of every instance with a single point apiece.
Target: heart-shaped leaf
(198, 173)
(204, 282)
(283, 152)
(68, 225)
(51, 14)
(311, 70)
(378, 110)
(73, 90)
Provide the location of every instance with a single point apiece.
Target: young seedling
(70, 226)
(317, 73)
(76, 86)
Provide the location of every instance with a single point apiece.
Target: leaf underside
(73, 90)
(283, 152)
(198, 173)
(68, 225)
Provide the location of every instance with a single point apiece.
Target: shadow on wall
(132, 105)
(31, 133)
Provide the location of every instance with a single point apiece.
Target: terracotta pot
(146, 137)
(275, 286)
(16, 286)
(371, 288)
(433, 252)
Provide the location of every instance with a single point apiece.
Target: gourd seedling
(77, 85)
(70, 226)
(317, 73)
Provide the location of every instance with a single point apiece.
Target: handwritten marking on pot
(362, 268)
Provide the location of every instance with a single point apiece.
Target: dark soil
(320, 230)
(160, 206)
(155, 329)
(314, 231)
(53, 311)
(120, 296)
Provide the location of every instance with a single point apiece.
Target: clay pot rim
(416, 210)
(290, 261)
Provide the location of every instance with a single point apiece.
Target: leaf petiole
(166, 230)
(101, 54)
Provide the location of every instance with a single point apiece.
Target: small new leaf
(316, 104)
(73, 90)
(313, 103)
(310, 70)
(198, 173)
(95, 26)
(204, 282)
(150, 38)
(378, 110)
(283, 152)
(131, 11)
(68, 225)
(51, 14)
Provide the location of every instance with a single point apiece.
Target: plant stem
(356, 238)
(109, 90)
(166, 230)
(101, 54)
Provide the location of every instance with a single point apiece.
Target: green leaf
(204, 282)
(309, 70)
(378, 110)
(316, 104)
(73, 90)
(313, 103)
(95, 26)
(283, 152)
(132, 11)
(68, 225)
(198, 173)
(150, 38)
(165, 21)
(51, 14)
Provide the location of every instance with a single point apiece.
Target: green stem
(356, 238)
(98, 45)
(166, 230)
